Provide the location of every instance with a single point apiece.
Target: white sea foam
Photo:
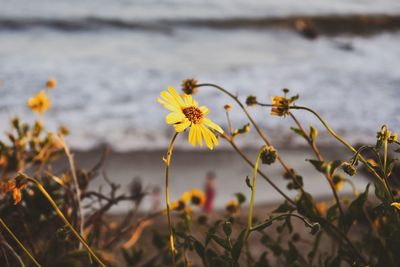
(109, 80)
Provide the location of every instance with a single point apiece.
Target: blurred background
(112, 58)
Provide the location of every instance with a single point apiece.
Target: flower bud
(251, 100)
(349, 168)
(189, 86)
(268, 155)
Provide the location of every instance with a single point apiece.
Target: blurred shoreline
(329, 24)
(189, 168)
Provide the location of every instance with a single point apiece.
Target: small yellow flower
(280, 106)
(51, 83)
(233, 207)
(195, 197)
(186, 113)
(178, 205)
(396, 205)
(40, 102)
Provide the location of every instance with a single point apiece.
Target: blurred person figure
(210, 190)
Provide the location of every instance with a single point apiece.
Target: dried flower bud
(189, 86)
(251, 100)
(228, 107)
(280, 106)
(51, 83)
(268, 155)
(349, 168)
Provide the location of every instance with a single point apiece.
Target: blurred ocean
(112, 58)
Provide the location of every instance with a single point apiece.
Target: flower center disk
(193, 114)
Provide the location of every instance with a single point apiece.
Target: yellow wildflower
(40, 102)
(280, 106)
(233, 207)
(178, 205)
(195, 197)
(186, 113)
(51, 83)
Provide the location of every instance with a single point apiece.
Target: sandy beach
(189, 168)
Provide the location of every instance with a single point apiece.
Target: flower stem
(350, 147)
(266, 178)
(320, 158)
(167, 164)
(61, 215)
(19, 242)
(258, 129)
(253, 192)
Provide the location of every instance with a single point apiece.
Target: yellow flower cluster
(194, 197)
(41, 102)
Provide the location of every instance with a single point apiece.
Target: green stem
(167, 164)
(253, 192)
(258, 130)
(19, 242)
(61, 215)
(350, 147)
(268, 222)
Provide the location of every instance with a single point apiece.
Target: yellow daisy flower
(195, 197)
(185, 113)
(40, 102)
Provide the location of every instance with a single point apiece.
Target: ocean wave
(326, 24)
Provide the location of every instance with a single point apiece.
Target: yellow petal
(188, 99)
(396, 205)
(167, 105)
(175, 95)
(198, 135)
(192, 135)
(207, 137)
(180, 127)
(174, 117)
(212, 125)
(170, 99)
(204, 110)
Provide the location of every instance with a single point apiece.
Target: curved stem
(10, 232)
(62, 216)
(253, 192)
(258, 130)
(320, 158)
(268, 222)
(167, 164)
(266, 178)
(350, 147)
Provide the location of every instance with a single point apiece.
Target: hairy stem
(167, 164)
(253, 192)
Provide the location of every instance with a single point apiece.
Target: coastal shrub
(50, 216)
